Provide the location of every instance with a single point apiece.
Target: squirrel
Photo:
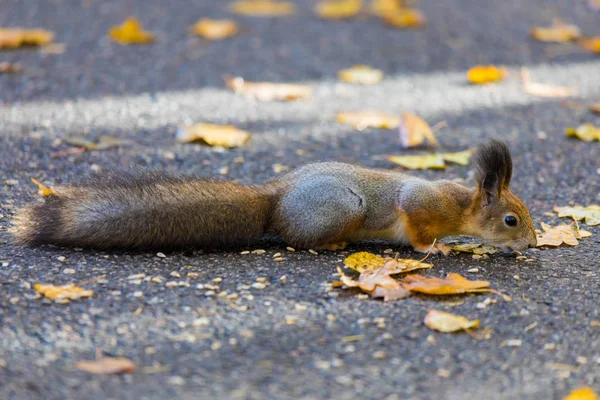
(316, 206)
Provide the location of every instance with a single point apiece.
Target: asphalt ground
(189, 345)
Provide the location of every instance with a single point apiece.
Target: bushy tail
(147, 210)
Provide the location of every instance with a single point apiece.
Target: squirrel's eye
(510, 221)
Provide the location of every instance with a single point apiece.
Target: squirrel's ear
(493, 170)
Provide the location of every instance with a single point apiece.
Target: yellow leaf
(558, 32)
(544, 90)
(474, 248)
(213, 135)
(557, 235)
(267, 91)
(591, 44)
(377, 285)
(384, 7)
(263, 8)
(485, 74)
(131, 32)
(212, 29)
(63, 293)
(107, 365)
(365, 119)
(363, 261)
(44, 191)
(338, 9)
(414, 130)
(362, 74)
(452, 284)
(405, 18)
(591, 214)
(11, 38)
(432, 161)
(448, 323)
(586, 132)
(584, 393)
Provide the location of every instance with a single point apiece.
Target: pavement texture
(190, 345)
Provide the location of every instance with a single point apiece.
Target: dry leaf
(103, 143)
(595, 108)
(10, 68)
(54, 48)
(213, 135)
(384, 7)
(591, 44)
(377, 284)
(543, 90)
(584, 393)
(432, 161)
(452, 284)
(557, 235)
(43, 190)
(263, 8)
(107, 365)
(591, 214)
(267, 91)
(62, 294)
(586, 132)
(11, 38)
(365, 119)
(361, 74)
(131, 32)
(486, 74)
(338, 9)
(405, 18)
(475, 248)
(558, 32)
(414, 130)
(363, 261)
(448, 323)
(214, 29)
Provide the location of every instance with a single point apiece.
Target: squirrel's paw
(333, 246)
(438, 248)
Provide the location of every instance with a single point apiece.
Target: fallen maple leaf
(414, 130)
(544, 90)
(557, 235)
(558, 32)
(11, 38)
(107, 365)
(267, 91)
(591, 44)
(212, 29)
(485, 74)
(591, 214)
(361, 74)
(404, 18)
(584, 393)
(10, 68)
(213, 135)
(448, 323)
(384, 7)
(365, 119)
(43, 190)
(131, 32)
(475, 248)
(104, 142)
(377, 283)
(62, 294)
(432, 161)
(338, 9)
(586, 132)
(363, 262)
(263, 8)
(452, 284)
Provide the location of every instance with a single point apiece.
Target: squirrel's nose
(533, 242)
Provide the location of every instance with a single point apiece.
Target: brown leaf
(213, 135)
(591, 213)
(377, 283)
(448, 323)
(475, 248)
(131, 32)
(11, 38)
(558, 32)
(10, 68)
(414, 131)
(595, 108)
(363, 262)
(544, 90)
(383, 7)
(364, 119)
(213, 29)
(107, 365)
(267, 91)
(557, 235)
(452, 284)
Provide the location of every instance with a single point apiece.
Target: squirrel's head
(501, 218)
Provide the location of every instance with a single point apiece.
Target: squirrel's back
(147, 210)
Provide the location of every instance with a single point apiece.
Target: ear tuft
(493, 167)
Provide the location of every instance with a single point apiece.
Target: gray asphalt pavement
(290, 340)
